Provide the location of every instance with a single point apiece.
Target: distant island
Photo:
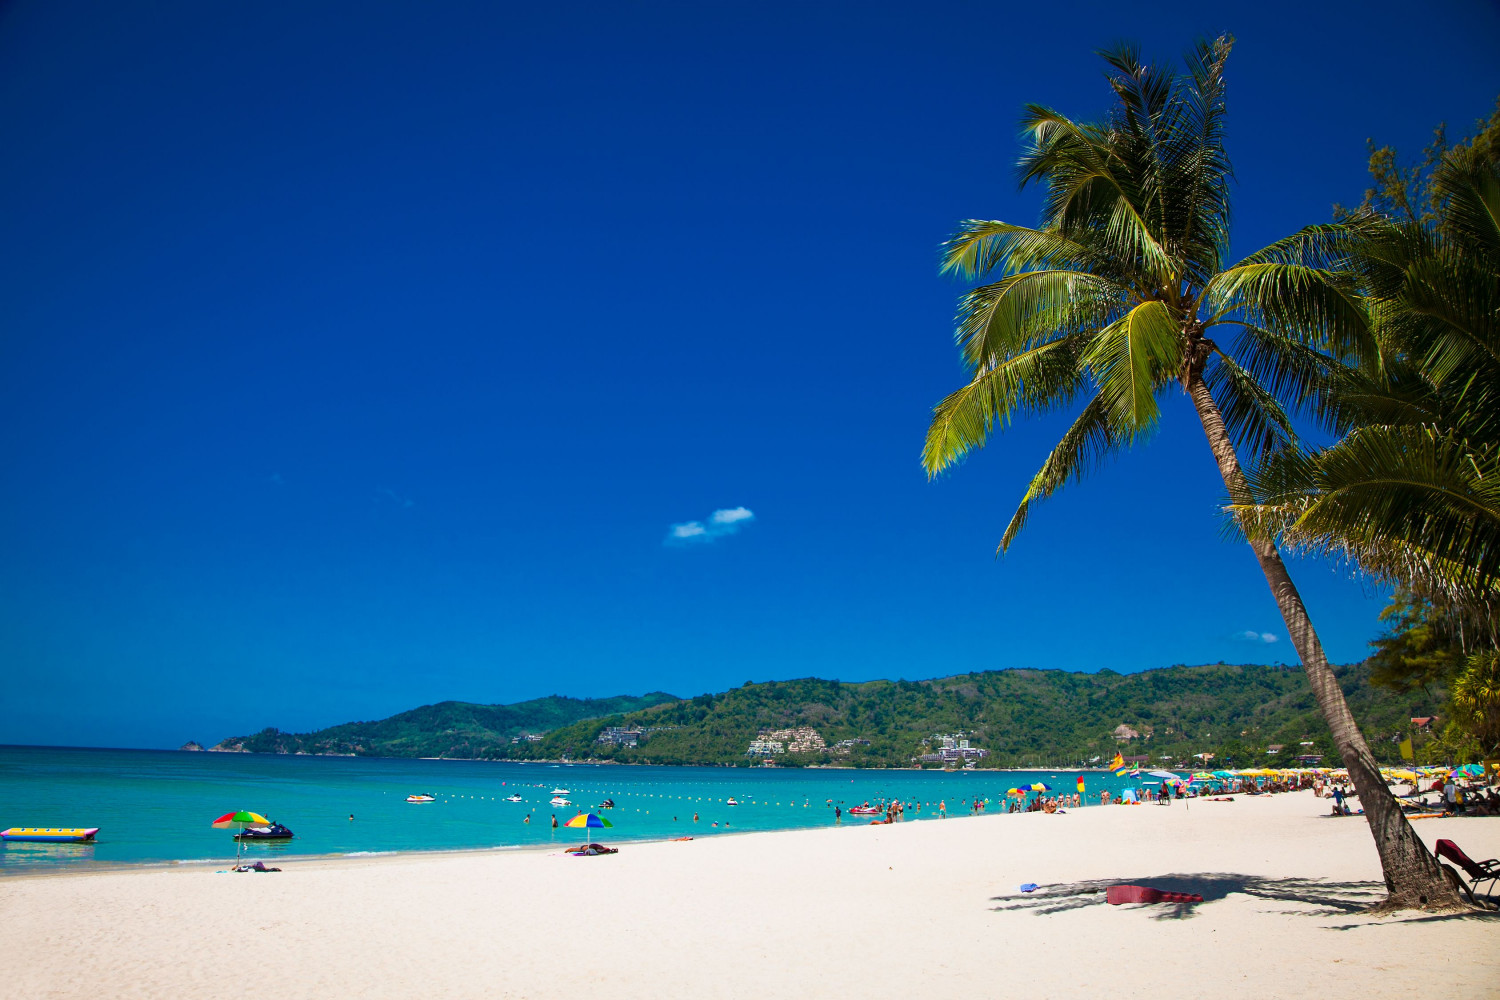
(448, 729)
(1239, 714)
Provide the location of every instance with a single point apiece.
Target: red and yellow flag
(1118, 764)
(1080, 784)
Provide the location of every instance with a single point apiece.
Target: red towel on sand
(1117, 894)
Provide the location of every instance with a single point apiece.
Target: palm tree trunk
(1413, 877)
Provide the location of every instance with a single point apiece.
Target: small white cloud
(1269, 637)
(732, 516)
(725, 521)
(1250, 635)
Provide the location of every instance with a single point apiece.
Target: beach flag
(1080, 784)
(1406, 749)
(1118, 764)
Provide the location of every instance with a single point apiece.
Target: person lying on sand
(590, 850)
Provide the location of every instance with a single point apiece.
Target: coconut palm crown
(1112, 299)
(1121, 294)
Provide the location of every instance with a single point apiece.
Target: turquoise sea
(155, 806)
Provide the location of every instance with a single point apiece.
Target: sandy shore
(921, 908)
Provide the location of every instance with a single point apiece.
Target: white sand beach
(918, 908)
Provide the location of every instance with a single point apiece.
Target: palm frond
(980, 245)
(1318, 306)
(1251, 412)
(1091, 439)
(1468, 183)
(1033, 380)
(1020, 311)
(1131, 359)
(1405, 500)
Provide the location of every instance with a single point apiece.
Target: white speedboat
(421, 798)
(513, 798)
(559, 791)
(731, 802)
(558, 800)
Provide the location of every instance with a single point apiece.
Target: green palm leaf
(1091, 439)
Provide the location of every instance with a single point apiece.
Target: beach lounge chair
(1478, 872)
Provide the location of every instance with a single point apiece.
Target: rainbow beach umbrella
(240, 819)
(589, 821)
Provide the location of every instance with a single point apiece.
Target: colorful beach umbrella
(1040, 786)
(589, 820)
(240, 819)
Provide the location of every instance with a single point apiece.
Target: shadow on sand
(1320, 898)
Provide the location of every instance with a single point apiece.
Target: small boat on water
(273, 832)
(513, 798)
(731, 802)
(558, 800)
(51, 834)
(865, 810)
(559, 791)
(421, 798)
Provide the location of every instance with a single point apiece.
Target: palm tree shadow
(1325, 898)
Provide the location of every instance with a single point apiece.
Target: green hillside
(447, 729)
(1022, 717)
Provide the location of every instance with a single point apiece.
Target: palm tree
(1110, 302)
(1412, 492)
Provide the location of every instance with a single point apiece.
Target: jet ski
(273, 832)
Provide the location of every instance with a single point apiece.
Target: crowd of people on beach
(1453, 798)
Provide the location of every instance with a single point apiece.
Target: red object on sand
(1117, 894)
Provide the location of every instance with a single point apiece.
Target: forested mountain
(447, 729)
(1021, 717)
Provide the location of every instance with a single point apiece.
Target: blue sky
(363, 355)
